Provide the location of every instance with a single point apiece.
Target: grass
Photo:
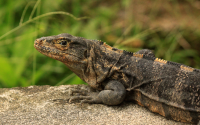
(22, 22)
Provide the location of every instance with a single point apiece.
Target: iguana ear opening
(85, 53)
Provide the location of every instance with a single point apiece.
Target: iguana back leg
(113, 94)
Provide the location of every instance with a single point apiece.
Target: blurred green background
(170, 28)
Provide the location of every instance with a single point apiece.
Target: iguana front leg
(113, 94)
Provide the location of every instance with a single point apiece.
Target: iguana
(167, 88)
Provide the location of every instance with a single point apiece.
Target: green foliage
(24, 21)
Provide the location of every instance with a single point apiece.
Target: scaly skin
(167, 88)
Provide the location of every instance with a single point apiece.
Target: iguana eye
(63, 42)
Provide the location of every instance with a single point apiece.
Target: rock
(49, 105)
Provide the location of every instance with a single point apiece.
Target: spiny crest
(98, 41)
(182, 67)
(160, 60)
(128, 53)
(173, 63)
(189, 69)
(148, 57)
(138, 55)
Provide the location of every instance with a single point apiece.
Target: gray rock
(49, 105)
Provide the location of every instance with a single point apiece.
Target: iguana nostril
(37, 41)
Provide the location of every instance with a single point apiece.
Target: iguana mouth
(45, 49)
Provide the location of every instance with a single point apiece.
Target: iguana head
(72, 51)
(66, 48)
(63, 47)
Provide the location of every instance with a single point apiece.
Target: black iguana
(167, 88)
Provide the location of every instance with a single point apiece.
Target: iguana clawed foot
(84, 96)
(113, 94)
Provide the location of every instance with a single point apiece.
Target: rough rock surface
(49, 105)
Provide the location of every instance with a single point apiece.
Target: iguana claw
(83, 96)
